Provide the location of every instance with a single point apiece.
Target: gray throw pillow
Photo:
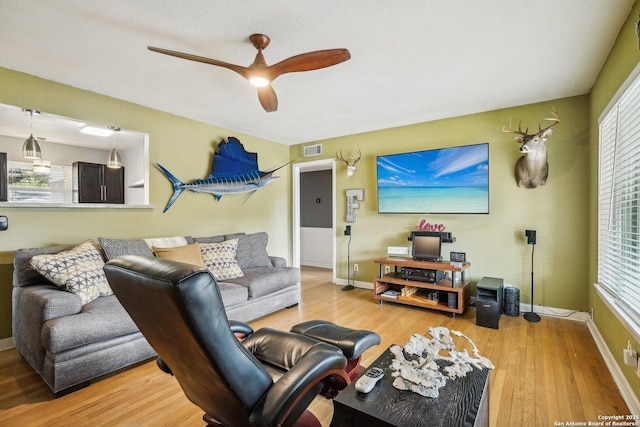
(114, 248)
(209, 239)
(252, 250)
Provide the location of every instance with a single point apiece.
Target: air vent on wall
(312, 150)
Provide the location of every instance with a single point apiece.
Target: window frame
(612, 295)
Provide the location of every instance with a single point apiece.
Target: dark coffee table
(462, 402)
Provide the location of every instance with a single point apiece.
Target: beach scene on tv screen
(446, 180)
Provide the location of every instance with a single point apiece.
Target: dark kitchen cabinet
(3, 177)
(97, 183)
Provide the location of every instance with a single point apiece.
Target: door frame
(310, 166)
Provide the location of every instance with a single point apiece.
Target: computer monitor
(426, 245)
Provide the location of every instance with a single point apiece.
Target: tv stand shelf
(450, 285)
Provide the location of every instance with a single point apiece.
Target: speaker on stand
(349, 286)
(531, 240)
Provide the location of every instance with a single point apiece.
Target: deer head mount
(532, 168)
(351, 163)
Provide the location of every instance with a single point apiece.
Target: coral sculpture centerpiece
(415, 366)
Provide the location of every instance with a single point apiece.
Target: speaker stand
(349, 286)
(531, 316)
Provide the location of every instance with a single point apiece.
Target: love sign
(426, 226)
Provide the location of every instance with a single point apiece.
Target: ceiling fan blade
(243, 71)
(309, 61)
(268, 98)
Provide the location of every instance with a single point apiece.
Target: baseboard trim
(580, 316)
(626, 391)
(327, 265)
(6, 344)
(357, 284)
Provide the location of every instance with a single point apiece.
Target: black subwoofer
(489, 302)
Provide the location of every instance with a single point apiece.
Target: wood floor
(545, 372)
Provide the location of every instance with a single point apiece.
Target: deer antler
(339, 157)
(555, 119)
(357, 157)
(519, 131)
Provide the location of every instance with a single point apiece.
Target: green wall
(564, 212)
(622, 60)
(495, 244)
(183, 146)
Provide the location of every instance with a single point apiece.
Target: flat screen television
(444, 180)
(426, 245)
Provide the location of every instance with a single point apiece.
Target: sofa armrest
(32, 307)
(45, 302)
(277, 261)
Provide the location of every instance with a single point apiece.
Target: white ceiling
(412, 60)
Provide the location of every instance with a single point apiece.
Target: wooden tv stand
(394, 280)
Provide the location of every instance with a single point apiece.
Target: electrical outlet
(387, 269)
(591, 312)
(356, 267)
(630, 356)
(638, 367)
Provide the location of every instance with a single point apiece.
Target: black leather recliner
(267, 379)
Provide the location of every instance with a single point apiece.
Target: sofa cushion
(79, 271)
(233, 294)
(187, 253)
(264, 280)
(101, 319)
(252, 250)
(220, 259)
(114, 248)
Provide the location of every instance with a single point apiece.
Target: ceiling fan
(261, 75)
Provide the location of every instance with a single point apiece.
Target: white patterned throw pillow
(79, 271)
(220, 259)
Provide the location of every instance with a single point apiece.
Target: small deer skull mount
(351, 163)
(532, 168)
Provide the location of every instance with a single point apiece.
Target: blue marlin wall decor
(234, 171)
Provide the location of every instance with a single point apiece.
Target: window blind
(26, 185)
(619, 203)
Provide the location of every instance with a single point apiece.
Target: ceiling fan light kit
(260, 75)
(258, 81)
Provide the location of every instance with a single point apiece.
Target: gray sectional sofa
(70, 341)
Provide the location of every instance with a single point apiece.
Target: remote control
(366, 382)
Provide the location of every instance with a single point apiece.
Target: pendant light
(114, 158)
(31, 148)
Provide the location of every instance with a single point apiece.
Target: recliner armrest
(240, 328)
(293, 392)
